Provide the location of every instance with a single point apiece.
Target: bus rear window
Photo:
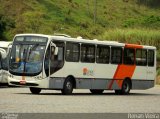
(151, 58)
(141, 57)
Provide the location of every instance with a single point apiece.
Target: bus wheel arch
(126, 87)
(129, 80)
(73, 80)
(68, 85)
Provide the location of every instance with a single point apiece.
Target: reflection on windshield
(26, 58)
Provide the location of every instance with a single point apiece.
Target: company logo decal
(88, 72)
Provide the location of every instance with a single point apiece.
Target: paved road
(20, 100)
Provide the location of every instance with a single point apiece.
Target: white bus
(65, 63)
(5, 47)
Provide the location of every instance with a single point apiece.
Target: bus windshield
(27, 56)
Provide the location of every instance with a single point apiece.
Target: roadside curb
(157, 85)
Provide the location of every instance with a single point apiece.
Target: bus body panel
(28, 81)
(142, 84)
(140, 73)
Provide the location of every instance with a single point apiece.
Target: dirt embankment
(158, 80)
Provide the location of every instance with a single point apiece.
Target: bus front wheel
(67, 87)
(96, 91)
(35, 90)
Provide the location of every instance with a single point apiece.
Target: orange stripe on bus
(122, 72)
(133, 46)
(110, 85)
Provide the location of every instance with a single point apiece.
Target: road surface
(20, 100)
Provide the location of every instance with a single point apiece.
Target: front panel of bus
(26, 60)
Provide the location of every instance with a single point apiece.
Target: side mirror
(56, 48)
(56, 51)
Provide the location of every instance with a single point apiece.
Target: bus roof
(64, 37)
(5, 44)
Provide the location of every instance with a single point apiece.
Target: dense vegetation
(76, 17)
(133, 21)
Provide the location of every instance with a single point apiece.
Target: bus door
(56, 62)
(51, 61)
(56, 56)
(49, 64)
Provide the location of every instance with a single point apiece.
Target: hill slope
(76, 17)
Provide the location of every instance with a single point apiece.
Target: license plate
(22, 82)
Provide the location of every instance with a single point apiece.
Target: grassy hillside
(76, 17)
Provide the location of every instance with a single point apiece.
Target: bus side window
(72, 52)
(102, 54)
(150, 58)
(116, 55)
(88, 53)
(141, 57)
(129, 56)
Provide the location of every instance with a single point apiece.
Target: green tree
(2, 26)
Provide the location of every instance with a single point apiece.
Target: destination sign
(33, 39)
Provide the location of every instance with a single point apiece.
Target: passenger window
(129, 56)
(141, 57)
(102, 54)
(116, 55)
(87, 53)
(72, 52)
(151, 58)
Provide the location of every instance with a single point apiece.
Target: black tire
(126, 87)
(67, 87)
(35, 90)
(96, 91)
